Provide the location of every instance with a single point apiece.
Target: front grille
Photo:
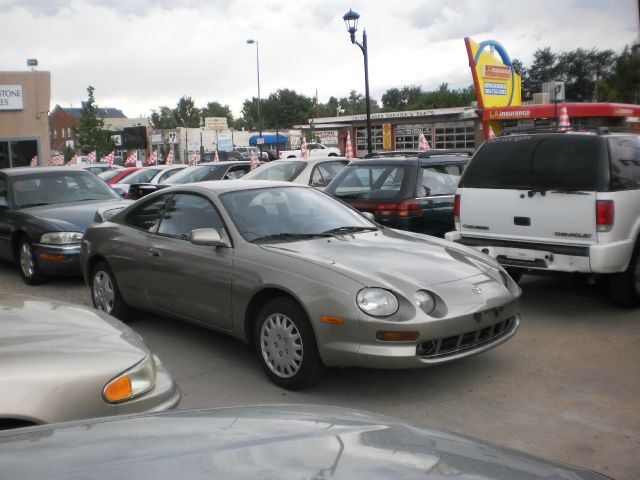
(443, 347)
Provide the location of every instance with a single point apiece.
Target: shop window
(407, 137)
(17, 153)
(376, 138)
(455, 135)
(4, 155)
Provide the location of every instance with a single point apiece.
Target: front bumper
(58, 259)
(165, 395)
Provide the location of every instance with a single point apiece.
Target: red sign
(496, 71)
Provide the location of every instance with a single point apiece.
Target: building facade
(24, 120)
(65, 121)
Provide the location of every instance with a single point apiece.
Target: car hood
(279, 441)
(40, 337)
(73, 217)
(392, 258)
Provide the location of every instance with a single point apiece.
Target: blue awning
(268, 139)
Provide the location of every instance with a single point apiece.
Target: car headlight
(133, 382)
(425, 300)
(61, 238)
(377, 302)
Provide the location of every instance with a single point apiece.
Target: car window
(324, 172)
(59, 187)
(370, 182)
(438, 180)
(186, 212)
(193, 174)
(108, 174)
(144, 175)
(168, 173)
(625, 163)
(237, 171)
(3, 192)
(284, 171)
(562, 161)
(147, 216)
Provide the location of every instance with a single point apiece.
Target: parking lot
(565, 388)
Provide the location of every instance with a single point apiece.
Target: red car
(114, 176)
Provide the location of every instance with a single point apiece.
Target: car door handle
(153, 252)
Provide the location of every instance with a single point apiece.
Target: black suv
(411, 192)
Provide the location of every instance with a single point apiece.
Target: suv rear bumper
(604, 258)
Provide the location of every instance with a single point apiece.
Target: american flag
(73, 161)
(348, 147)
(170, 156)
(131, 159)
(564, 123)
(56, 161)
(91, 157)
(109, 158)
(216, 158)
(423, 144)
(304, 151)
(254, 161)
(34, 161)
(192, 158)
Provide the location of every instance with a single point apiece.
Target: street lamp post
(351, 20)
(250, 42)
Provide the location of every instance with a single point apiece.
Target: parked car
(63, 362)
(198, 173)
(264, 442)
(97, 168)
(315, 150)
(115, 176)
(557, 202)
(44, 212)
(246, 153)
(408, 193)
(224, 156)
(317, 172)
(289, 269)
(146, 175)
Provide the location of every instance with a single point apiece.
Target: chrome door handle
(153, 252)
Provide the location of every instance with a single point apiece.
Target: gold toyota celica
(308, 280)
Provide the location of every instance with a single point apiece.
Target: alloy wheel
(26, 260)
(103, 291)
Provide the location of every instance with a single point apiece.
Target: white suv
(566, 202)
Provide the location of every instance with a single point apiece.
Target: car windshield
(144, 175)
(290, 213)
(369, 182)
(282, 171)
(193, 174)
(49, 188)
(108, 174)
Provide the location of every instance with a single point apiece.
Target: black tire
(28, 263)
(105, 293)
(515, 274)
(283, 328)
(624, 288)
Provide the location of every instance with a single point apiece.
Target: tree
(216, 109)
(165, 118)
(91, 134)
(186, 114)
(520, 69)
(286, 108)
(544, 69)
(624, 83)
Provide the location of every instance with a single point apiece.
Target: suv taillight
(605, 213)
(406, 208)
(456, 207)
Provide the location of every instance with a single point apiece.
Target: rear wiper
(290, 236)
(347, 229)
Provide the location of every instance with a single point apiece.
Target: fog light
(391, 336)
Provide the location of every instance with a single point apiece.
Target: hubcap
(26, 260)
(281, 345)
(103, 291)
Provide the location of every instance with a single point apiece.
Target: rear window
(625, 163)
(193, 174)
(282, 171)
(439, 180)
(557, 162)
(370, 182)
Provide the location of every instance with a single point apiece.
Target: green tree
(624, 84)
(163, 118)
(91, 133)
(186, 114)
(544, 69)
(286, 108)
(520, 69)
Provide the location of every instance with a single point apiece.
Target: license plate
(527, 255)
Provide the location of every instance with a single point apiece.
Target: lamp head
(351, 21)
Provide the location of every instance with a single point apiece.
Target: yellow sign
(496, 82)
(386, 136)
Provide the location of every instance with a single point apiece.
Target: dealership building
(24, 117)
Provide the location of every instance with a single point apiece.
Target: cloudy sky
(140, 54)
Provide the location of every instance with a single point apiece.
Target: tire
(105, 293)
(624, 288)
(286, 346)
(515, 274)
(28, 264)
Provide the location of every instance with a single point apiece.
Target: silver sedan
(60, 361)
(305, 278)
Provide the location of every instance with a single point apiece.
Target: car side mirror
(369, 216)
(209, 237)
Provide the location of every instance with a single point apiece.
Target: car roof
(310, 161)
(224, 186)
(18, 171)
(409, 161)
(224, 162)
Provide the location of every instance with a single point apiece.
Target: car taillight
(456, 207)
(406, 208)
(605, 213)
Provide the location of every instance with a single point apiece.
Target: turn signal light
(119, 389)
(391, 336)
(54, 257)
(605, 213)
(331, 320)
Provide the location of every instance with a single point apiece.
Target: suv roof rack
(442, 152)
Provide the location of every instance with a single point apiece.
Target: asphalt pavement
(566, 388)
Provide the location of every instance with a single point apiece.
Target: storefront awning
(268, 139)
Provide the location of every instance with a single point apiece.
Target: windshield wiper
(290, 236)
(350, 229)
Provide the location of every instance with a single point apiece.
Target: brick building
(64, 121)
